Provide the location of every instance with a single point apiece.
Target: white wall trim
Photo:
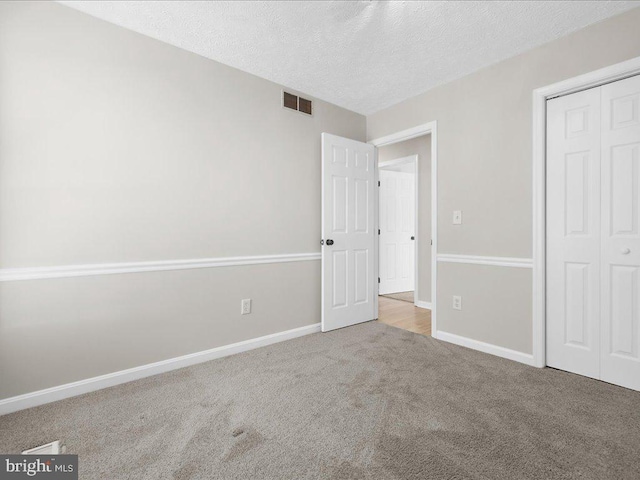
(430, 128)
(421, 304)
(539, 146)
(38, 273)
(403, 135)
(480, 260)
(503, 352)
(73, 389)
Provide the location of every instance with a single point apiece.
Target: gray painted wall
(115, 147)
(484, 169)
(420, 146)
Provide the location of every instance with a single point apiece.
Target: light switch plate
(457, 217)
(457, 302)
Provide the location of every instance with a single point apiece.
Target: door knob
(329, 241)
(625, 251)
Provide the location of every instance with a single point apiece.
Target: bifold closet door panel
(620, 257)
(573, 233)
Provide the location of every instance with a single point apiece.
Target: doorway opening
(350, 225)
(398, 210)
(404, 235)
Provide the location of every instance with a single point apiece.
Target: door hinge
(378, 182)
(378, 231)
(378, 279)
(431, 242)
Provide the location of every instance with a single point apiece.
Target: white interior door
(593, 233)
(620, 327)
(348, 231)
(397, 231)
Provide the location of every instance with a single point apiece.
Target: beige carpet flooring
(365, 402)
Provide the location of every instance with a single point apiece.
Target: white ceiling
(361, 55)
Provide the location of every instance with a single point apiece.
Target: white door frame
(418, 131)
(404, 161)
(540, 97)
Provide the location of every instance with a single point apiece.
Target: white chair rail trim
(38, 273)
(480, 260)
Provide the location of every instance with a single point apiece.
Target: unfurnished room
(276, 240)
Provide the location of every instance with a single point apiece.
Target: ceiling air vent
(294, 102)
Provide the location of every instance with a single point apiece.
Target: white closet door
(620, 325)
(397, 230)
(573, 233)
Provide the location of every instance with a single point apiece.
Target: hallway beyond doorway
(404, 315)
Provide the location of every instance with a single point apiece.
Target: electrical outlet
(457, 302)
(245, 306)
(457, 217)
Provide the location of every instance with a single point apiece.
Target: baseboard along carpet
(365, 402)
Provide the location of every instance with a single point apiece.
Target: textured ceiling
(361, 55)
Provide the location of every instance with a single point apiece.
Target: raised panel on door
(339, 190)
(577, 200)
(623, 332)
(362, 206)
(391, 255)
(348, 177)
(362, 290)
(339, 154)
(620, 324)
(389, 184)
(573, 233)
(577, 304)
(339, 259)
(622, 203)
(406, 265)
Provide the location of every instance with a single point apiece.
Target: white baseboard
(514, 355)
(73, 389)
(421, 304)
